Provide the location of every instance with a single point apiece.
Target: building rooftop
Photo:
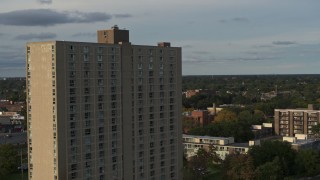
(239, 145)
(205, 137)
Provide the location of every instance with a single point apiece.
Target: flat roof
(206, 137)
(238, 145)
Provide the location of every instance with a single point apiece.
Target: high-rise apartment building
(289, 122)
(106, 110)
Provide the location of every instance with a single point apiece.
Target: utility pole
(21, 163)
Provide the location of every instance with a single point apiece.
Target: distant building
(214, 109)
(232, 106)
(268, 95)
(12, 106)
(5, 124)
(17, 119)
(11, 122)
(8, 113)
(201, 117)
(288, 122)
(223, 145)
(196, 118)
(301, 141)
(190, 93)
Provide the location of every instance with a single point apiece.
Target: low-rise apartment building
(223, 145)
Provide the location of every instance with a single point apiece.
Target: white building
(223, 145)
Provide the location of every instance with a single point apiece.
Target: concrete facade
(107, 110)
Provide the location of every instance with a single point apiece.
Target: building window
(99, 58)
(87, 132)
(88, 156)
(85, 57)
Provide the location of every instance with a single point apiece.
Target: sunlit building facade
(106, 110)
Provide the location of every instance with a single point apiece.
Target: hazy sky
(216, 36)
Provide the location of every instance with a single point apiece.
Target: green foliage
(9, 159)
(295, 91)
(204, 159)
(202, 101)
(199, 163)
(238, 166)
(240, 130)
(308, 162)
(270, 170)
(200, 131)
(316, 130)
(273, 160)
(13, 89)
(226, 115)
(269, 150)
(188, 123)
(3, 109)
(229, 124)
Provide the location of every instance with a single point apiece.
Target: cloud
(84, 35)
(49, 17)
(262, 46)
(201, 52)
(12, 55)
(10, 59)
(122, 15)
(5, 47)
(240, 19)
(195, 58)
(283, 42)
(44, 1)
(187, 46)
(40, 36)
(236, 19)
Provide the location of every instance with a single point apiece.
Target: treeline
(13, 89)
(294, 91)
(272, 160)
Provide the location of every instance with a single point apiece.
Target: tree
(4, 109)
(9, 159)
(245, 115)
(238, 166)
(188, 123)
(307, 162)
(200, 163)
(270, 170)
(267, 152)
(226, 115)
(316, 130)
(199, 131)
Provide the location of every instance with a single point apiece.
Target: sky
(218, 37)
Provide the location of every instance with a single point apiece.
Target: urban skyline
(218, 37)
